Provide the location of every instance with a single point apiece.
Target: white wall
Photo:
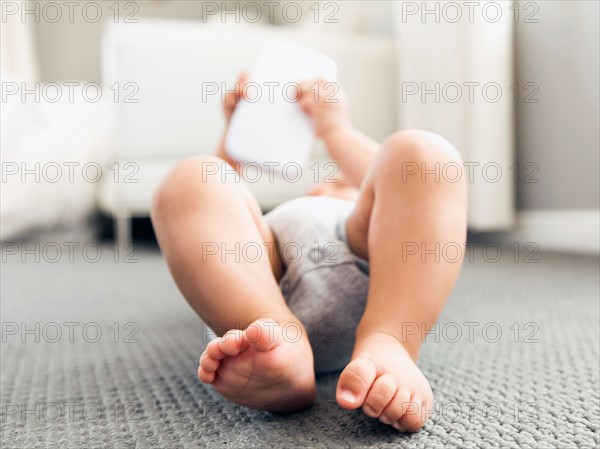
(561, 132)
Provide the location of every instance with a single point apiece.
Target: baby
(335, 281)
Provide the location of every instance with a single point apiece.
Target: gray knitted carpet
(525, 376)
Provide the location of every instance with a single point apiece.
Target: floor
(103, 353)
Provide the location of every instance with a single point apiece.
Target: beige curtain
(19, 54)
(439, 61)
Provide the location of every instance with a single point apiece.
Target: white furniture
(167, 66)
(170, 68)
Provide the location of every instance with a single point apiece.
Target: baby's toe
(355, 382)
(414, 416)
(205, 376)
(263, 335)
(232, 343)
(381, 393)
(209, 364)
(396, 407)
(214, 351)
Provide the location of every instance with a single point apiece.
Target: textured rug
(103, 354)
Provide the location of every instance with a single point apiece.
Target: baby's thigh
(264, 228)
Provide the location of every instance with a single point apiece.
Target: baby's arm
(232, 98)
(327, 107)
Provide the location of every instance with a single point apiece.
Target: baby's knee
(419, 146)
(193, 179)
(419, 155)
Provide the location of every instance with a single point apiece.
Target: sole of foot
(260, 368)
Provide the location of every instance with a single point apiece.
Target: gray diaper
(325, 285)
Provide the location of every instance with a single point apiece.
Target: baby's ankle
(367, 333)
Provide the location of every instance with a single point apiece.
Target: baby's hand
(233, 98)
(325, 103)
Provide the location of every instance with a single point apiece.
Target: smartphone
(269, 127)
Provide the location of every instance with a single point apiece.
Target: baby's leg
(401, 223)
(217, 246)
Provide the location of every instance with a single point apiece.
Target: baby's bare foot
(258, 368)
(383, 379)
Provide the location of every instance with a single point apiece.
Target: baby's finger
(240, 90)
(306, 103)
(322, 81)
(304, 88)
(230, 101)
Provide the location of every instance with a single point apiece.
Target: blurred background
(99, 99)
